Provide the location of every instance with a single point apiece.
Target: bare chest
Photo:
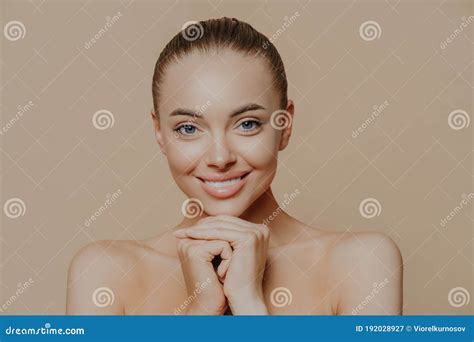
(289, 289)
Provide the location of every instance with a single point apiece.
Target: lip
(227, 191)
(223, 177)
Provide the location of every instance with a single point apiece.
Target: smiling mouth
(224, 188)
(229, 182)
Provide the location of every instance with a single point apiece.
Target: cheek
(184, 156)
(260, 153)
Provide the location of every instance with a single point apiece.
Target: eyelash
(256, 122)
(179, 131)
(179, 128)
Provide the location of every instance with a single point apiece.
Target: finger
(259, 230)
(233, 221)
(185, 243)
(227, 224)
(185, 248)
(226, 255)
(216, 247)
(222, 269)
(236, 224)
(218, 233)
(179, 233)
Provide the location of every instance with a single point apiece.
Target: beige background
(409, 158)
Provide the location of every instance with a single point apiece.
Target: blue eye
(250, 125)
(186, 129)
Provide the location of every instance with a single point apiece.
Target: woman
(221, 115)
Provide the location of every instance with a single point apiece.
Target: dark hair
(221, 33)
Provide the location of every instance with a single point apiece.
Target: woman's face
(214, 127)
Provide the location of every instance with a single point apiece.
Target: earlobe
(286, 133)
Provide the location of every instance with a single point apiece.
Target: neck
(265, 210)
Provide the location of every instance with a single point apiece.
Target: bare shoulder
(364, 270)
(363, 264)
(104, 251)
(104, 257)
(367, 246)
(343, 248)
(100, 272)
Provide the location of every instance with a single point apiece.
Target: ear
(286, 133)
(157, 128)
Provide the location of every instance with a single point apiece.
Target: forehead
(225, 78)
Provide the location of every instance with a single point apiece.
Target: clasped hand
(237, 280)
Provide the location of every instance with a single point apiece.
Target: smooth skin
(226, 261)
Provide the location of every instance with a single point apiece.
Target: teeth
(229, 182)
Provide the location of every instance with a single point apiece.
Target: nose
(219, 154)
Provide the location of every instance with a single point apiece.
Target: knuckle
(253, 237)
(265, 230)
(218, 243)
(182, 245)
(192, 249)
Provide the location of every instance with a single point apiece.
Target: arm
(369, 271)
(92, 282)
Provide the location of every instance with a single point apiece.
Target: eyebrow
(242, 109)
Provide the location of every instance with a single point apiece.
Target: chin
(231, 199)
(219, 207)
